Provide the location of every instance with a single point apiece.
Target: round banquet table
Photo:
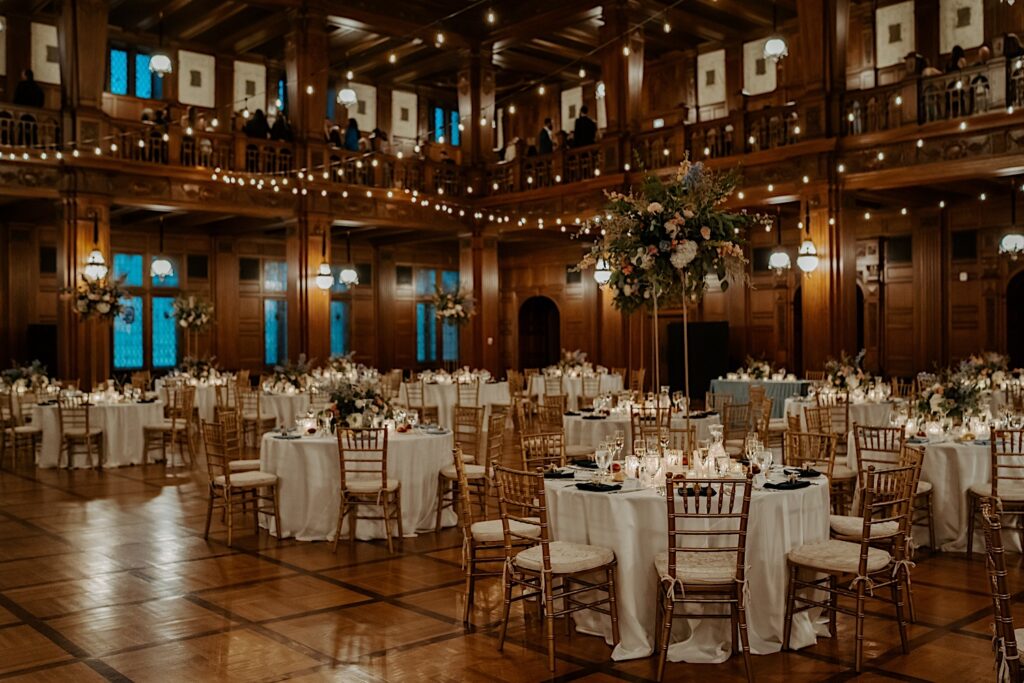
(284, 407)
(866, 413)
(635, 526)
(309, 483)
(122, 425)
(206, 398)
(610, 383)
(581, 430)
(776, 389)
(445, 396)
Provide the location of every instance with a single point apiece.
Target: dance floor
(107, 576)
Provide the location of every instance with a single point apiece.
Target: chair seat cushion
(844, 525)
(566, 558)
(837, 556)
(468, 457)
(578, 450)
(27, 430)
(924, 487)
(842, 472)
(369, 484)
(81, 433)
(491, 530)
(1008, 492)
(693, 567)
(248, 480)
(243, 465)
(778, 424)
(166, 425)
(253, 417)
(472, 472)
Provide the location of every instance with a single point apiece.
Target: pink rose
(705, 232)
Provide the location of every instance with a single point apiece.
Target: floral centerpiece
(342, 368)
(199, 369)
(756, 369)
(463, 375)
(289, 377)
(989, 368)
(453, 308)
(31, 377)
(846, 373)
(359, 405)
(572, 364)
(103, 298)
(952, 394)
(193, 313)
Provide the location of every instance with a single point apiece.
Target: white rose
(935, 403)
(103, 307)
(684, 254)
(355, 420)
(627, 290)
(654, 207)
(183, 323)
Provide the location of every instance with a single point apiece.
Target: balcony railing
(29, 128)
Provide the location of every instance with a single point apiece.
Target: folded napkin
(809, 473)
(598, 488)
(593, 417)
(585, 463)
(699, 415)
(147, 400)
(559, 474)
(915, 439)
(787, 485)
(287, 437)
(571, 414)
(586, 410)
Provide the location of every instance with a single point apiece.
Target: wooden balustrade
(772, 127)
(878, 109)
(966, 92)
(29, 128)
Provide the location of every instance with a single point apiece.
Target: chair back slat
(495, 437)
(1007, 656)
(818, 419)
(363, 455)
(810, 450)
(468, 393)
(543, 449)
(521, 499)
(1007, 449)
(73, 410)
(878, 446)
(549, 415)
(220, 442)
(468, 429)
(713, 401)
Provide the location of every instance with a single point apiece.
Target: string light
(492, 18)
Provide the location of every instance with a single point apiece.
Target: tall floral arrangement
(953, 394)
(103, 298)
(193, 313)
(31, 377)
(360, 405)
(669, 238)
(846, 372)
(990, 369)
(453, 308)
(289, 376)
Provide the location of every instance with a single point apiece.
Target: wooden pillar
(478, 274)
(926, 30)
(622, 74)
(82, 42)
(476, 101)
(309, 326)
(84, 347)
(306, 63)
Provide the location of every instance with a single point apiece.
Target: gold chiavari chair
(858, 570)
(901, 388)
(230, 489)
(254, 422)
(623, 374)
(542, 450)
(391, 384)
(561, 574)
(814, 375)
(735, 425)
(242, 378)
(683, 439)
(468, 435)
(517, 385)
(817, 450)
(142, 379)
(1007, 485)
(1015, 397)
(716, 402)
(883, 447)
(924, 380)
(761, 422)
(649, 422)
(468, 393)
(549, 415)
(319, 399)
(449, 490)
(818, 419)
(1008, 668)
(793, 423)
(363, 460)
(706, 566)
(76, 430)
(591, 389)
(756, 396)
(636, 379)
(232, 431)
(495, 439)
(483, 542)
(16, 432)
(225, 398)
(553, 386)
(415, 399)
(176, 426)
(524, 416)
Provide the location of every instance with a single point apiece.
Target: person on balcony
(352, 136)
(282, 129)
(28, 93)
(547, 145)
(585, 130)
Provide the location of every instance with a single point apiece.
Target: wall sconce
(807, 258)
(779, 261)
(161, 267)
(349, 276)
(324, 277)
(95, 264)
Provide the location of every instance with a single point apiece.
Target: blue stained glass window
(454, 116)
(128, 342)
(143, 77)
(172, 280)
(339, 327)
(332, 96)
(426, 279)
(130, 266)
(338, 287)
(450, 280)
(449, 342)
(282, 94)
(275, 331)
(438, 123)
(165, 333)
(275, 276)
(426, 333)
(158, 87)
(118, 72)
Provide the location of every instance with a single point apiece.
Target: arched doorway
(798, 332)
(1015, 320)
(539, 333)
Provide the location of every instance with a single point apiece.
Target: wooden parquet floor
(107, 577)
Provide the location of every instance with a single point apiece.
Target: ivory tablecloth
(777, 390)
(122, 425)
(445, 396)
(573, 387)
(309, 485)
(865, 414)
(635, 526)
(591, 432)
(206, 399)
(284, 407)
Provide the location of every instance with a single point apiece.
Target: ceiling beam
(562, 14)
(252, 36)
(151, 19)
(215, 16)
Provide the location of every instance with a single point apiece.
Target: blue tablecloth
(777, 390)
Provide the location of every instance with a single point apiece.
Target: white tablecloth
(310, 481)
(445, 396)
(122, 425)
(865, 414)
(573, 387)
(777, 390)
(284, 407)
(635, 526)
(206, 398)
(589, 432)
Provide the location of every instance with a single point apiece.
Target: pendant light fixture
(324, 277)
(160, 62)
(347, 95)
(775, 48)
(95, 264)
(602, 272)
(161, 267)
(807, 258)
(1012, 242)
(779, 261)
(349, 276)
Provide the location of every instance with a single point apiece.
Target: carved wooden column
(82, 43)
(309, 326)
(622, 74)
(476, 101)
(306, 64)
(478, 275)
(84, 347)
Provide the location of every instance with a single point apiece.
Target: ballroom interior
(511, 340)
